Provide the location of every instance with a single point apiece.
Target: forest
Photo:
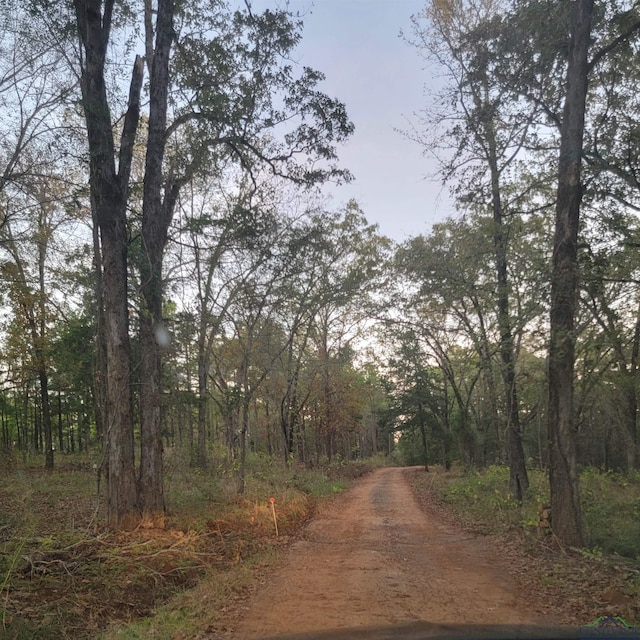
(175, 286)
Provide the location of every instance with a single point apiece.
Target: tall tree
(335, 261)
(157, 213)
(489, 134)
(233, 132)
(229, 229)
(612, 157)
(223, 71)
(109, 195)
(565, 501)
(415, 401)
(554, 42)
(608, 295)
(31, 301)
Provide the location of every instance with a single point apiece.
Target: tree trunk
(40, 335)
(156, 218)
(101, 380)
(151, 492)
(244, 431)
(46, 419)
(203, 372)
(122, 504)
(518, 478)
(518, 481)
(563, 478)
(109, 193)
(485, 350)
(289, 412)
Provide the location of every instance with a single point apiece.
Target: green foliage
(611, 511)
(610, 505)
(484, 496)
(592, 554)
(229, 79)
(73, 354)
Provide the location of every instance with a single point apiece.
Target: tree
(34, 89)
(454, 304)
(33, 93)
(158, 204)
(565, 502)
(554, 42)
(258, 341)
(489, 134)
(334, 260)
(231, 230)
(32, 303)
(415, 404)
(611, 157)
(609, 346)
(445, 290)
(227, 75)
(109, 195)
(537, 70)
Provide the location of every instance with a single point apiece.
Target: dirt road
(374, 558)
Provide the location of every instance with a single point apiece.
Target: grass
(191, 612)
(483, 498)
(63, 575)
(610, 505)
(602, 578)
(611, 512)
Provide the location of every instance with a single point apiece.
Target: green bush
(610, 504)
(611, 511)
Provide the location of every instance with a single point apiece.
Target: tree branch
(613, 44)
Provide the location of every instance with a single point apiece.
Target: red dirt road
(374, 558)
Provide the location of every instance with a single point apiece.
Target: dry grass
(62, 575)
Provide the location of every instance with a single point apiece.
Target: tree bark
(41, 335)
(518, 478)
(122, 508)
(563, 478)
(109, 193)
(156, 218)
(101, 379)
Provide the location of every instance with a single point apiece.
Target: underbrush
(611, 512)
(63, 575)
(482, 498)
(577, 584)
(610, 505)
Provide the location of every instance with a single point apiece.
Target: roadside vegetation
(62, 575)
(602, 578)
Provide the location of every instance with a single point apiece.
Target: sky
(382, 80)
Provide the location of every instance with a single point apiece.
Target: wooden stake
(273, 509)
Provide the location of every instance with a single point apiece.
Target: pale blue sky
(382, 81)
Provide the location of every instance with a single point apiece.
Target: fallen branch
(42, 566)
